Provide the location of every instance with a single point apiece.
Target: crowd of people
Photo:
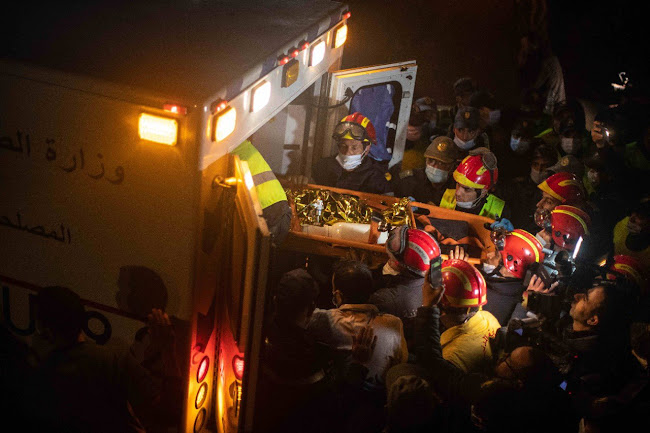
(549, 333)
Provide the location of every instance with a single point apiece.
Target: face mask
(541, 240)
(569, 145)
(495, 116)
(350, 162)
(594, 177)
(465, 145)
(435, 175)
(465, 204)
(519, 146)
(389, 270)
(536, 176)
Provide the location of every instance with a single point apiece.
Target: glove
(413, 208)
(502, 224)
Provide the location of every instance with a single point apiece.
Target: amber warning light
(158, 129)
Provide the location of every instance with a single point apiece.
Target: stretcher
(449, 227)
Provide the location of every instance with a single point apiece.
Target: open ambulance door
(384, 94)
(243, 277)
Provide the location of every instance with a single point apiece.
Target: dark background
(450, 39)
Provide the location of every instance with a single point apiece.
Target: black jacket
(369, 176)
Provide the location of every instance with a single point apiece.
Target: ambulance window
(238, 281)
(380, 103)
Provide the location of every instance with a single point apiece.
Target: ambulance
(116, 123)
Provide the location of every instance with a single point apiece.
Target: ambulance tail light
(347, 15)
(202, 371)
(340, 35)
(304, 45)
(158, 129)
(238, 366)
(317, 53)
(201, 395)
(294, 53)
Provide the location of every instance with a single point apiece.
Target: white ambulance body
(116, 181)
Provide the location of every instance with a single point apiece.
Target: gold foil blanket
(324, 207)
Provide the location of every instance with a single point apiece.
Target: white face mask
(536, 176)
(350, 162)
(518, 146)
(465, 145)
(465, 204)
(569, 145)
(541, 240)
(389, 270)
(435, 175)
(495, 116)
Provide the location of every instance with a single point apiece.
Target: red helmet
(414, 249)
(520, 250)
(477, 171)
(355, 126)
(630, 268)
(564, 186)
(568, 223)
(464, 285)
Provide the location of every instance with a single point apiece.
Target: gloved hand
(413, 208)
(502, 224)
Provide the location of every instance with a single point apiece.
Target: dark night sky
(454, 38)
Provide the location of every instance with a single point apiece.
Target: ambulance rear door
(243, 271)
(384, 94)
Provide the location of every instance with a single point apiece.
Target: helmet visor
(349, 129)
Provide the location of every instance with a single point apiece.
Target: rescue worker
(518, 252)
(410, 254)
(270, 193)
(632, 233)
(466, 133)
(559, 188)
(466, 341)
(474, 177)
(428, 184)
(352, 168)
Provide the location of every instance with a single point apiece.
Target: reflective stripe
(467, 285)
(268, 188)
(365, 121)
(265, 176)
(493, 207)
(575, 216)
(471, 302)
(544, 132)
(530, 243)
(448, 199)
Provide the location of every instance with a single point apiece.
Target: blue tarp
(376, 103)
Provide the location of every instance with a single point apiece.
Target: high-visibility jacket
(268, 187)
(492, 208)
(620, 235)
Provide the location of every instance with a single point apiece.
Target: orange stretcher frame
(375, 253)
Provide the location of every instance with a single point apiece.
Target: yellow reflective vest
(268, 187)
(492, 208)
